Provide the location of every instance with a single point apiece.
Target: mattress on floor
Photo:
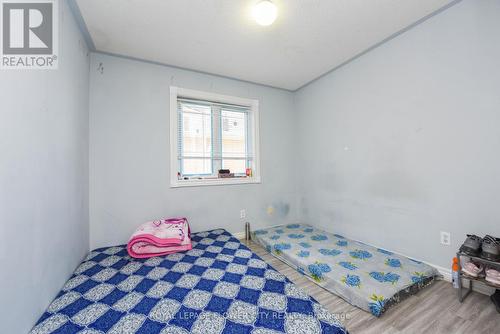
(370, 278)
(219, 286)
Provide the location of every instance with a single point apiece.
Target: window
(210, 133)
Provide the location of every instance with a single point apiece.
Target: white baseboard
(239, 235)
(445, 272)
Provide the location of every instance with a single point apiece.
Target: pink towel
(160, 237)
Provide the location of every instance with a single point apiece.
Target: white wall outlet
(243, 213)
(445, 238)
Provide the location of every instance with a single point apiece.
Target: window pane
(235, 166)
(196, 139)
(196, 166)
(234, 138)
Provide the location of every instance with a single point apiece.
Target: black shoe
(490, 248)
(471, 245)
(495, 298)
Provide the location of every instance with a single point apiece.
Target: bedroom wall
(43, 179)
(130, 158)
(404, 142)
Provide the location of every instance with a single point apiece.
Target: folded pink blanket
(160, 237)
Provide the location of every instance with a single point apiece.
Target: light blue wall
(130, 158)
(392, 148)
(404, 142)
(43, 179)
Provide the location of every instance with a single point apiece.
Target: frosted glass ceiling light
(265, 12)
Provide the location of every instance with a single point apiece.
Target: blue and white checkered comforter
(219, 286)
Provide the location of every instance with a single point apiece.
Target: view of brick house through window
(212, 137)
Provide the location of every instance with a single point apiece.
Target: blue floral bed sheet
(220, 286)
(370, 278)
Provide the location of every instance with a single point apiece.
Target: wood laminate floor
(435, 309)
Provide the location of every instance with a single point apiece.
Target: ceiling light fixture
(265, 12)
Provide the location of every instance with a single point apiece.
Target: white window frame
(176, 92)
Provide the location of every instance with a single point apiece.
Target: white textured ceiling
(309, 38)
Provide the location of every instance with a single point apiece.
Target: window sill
(213, 182)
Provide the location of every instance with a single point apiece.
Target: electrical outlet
(243, 213)
(445, 238)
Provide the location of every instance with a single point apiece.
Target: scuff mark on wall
(100, 68)
(278, 209)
